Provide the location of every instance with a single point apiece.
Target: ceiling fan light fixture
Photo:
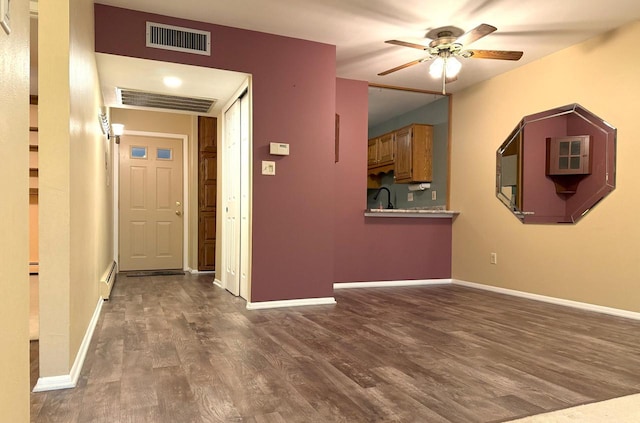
(449, 43)
(450, 64)
(436, 68)
(453, 66)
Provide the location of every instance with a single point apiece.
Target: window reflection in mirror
(392, 108)
(535, 188)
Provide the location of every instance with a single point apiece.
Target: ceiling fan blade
(475, 34)
(495, 54)
(406, 44)
(397, 68)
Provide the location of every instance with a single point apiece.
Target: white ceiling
(358, 29)
(147, 75)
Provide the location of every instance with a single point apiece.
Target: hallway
(178, 349)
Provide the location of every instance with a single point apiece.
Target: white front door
(150, 203)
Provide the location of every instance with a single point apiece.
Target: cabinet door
(372, 152)
(569, 155)
(422, 153)
(404, 155)
(386, 150)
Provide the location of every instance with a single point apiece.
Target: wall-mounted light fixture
(117, 129)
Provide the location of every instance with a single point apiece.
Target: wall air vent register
(176, 38)
(145, 99)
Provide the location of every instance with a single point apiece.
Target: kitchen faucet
(375, 197)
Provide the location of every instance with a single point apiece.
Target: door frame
(185, 192)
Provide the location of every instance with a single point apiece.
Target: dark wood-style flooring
(178, 349)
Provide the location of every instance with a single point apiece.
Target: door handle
(178, 212)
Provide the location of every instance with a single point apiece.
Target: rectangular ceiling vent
(163, 101)
(176, 38)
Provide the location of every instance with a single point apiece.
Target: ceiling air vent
(188, 40)
(162, 101)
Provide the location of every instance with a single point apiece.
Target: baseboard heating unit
(107, 280)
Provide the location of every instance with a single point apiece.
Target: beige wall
(595, 261)
(14, 185)
(171, 123)
(75, 199)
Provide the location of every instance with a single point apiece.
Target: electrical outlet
(433, 195)
(410, 196)
(493, 259)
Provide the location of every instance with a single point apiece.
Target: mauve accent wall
(369, 248)
(294, 102)
(592, 183)
(539, 192)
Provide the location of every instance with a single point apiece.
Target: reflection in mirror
(556, 165)
(509, 176)
(392, 108)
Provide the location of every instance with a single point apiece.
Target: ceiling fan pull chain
(444, 76)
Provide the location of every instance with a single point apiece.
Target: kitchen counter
(417, 212)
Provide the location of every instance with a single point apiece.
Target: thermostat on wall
(278, 149)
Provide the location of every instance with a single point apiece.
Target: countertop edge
(429, 214)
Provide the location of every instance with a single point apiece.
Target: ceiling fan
(448, 43)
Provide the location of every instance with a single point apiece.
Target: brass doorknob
(178, 212)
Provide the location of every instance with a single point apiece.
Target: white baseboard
(201, 272)
(553, 300)
(51, 383)
(217, 282)
(379, 284)
(290, 303)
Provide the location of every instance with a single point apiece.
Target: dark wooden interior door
(207, 189)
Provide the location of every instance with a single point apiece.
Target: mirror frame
(514, 145)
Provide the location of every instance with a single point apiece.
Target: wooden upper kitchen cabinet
(381, 151)
(372, 152)
(414, 154)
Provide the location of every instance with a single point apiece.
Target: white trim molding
(217, 282)
(381, 284)
(51, 383)
(290, 303)
(200, 272)
(553, 300)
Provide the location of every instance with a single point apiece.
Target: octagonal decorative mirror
(556, 165)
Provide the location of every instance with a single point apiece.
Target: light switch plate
(410, 196)
(268, 167)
